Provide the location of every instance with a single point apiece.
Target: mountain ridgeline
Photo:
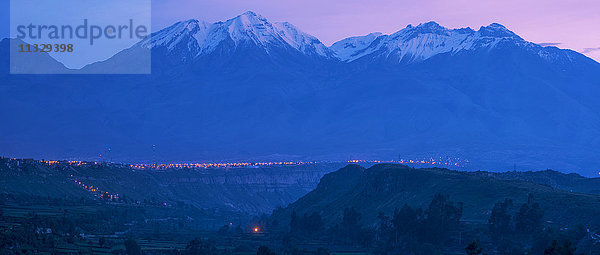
(396, 209)
(385, 187)
(248, 87)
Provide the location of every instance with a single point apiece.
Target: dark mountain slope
(382, 188)
(248, 87)
(569, 182)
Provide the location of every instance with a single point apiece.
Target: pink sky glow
(569, 24)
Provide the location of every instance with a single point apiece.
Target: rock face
(246, 190)
(248, 87)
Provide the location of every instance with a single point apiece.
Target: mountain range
(248, 88)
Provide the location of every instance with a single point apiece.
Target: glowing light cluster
(430, 161)
(219, 165)
(443, 162)
(65, 162)
(97, 191)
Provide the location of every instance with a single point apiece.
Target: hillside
(246, 190)
(568, 182)
(384, 187)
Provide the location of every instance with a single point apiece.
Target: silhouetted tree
(406, 222)
(294, 222)
(529, 218)
(500, 221)
(307, 224)
(473, 248)
(556, 249)
(385, 228)
(313, 222)
(196, 246)
(132, 248)
(264, 250)
(351, 219)
(350, 226)
(322, 251)
(442, 216)
(224, 229)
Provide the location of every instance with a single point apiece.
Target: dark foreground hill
(385, 187)
(569, 182)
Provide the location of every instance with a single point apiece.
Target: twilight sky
(572, 24)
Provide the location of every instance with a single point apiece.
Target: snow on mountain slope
(351, 47)
(193, 38)
(301, 41)
(413, 44)
(203, 38)
(170, 37)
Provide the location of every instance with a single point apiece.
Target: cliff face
(252, 190)
(248, 190)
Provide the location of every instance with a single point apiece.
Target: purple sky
(571, 24)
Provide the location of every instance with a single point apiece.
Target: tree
(406, 222)
(385, 227)
(556, 249)
(223, 230)
(442, 216)
(132, 248)
(529, 218)
(197, 247)
(294, 222)
(322, 251)
(351, 219)
(193, 247)
(473, 248)
(313, 223)
(350, 226)
(264, 250)
(500, 221)
(308, 224)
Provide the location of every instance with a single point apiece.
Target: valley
(239, 209)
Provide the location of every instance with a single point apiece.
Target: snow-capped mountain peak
(249, 27)
(191, 39)
(301, 41)
(497, 30)
(352, 47)
(246, 29)
(421, 42)
(179, 32)
(430, 27)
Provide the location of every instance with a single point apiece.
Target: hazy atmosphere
(309, 127)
